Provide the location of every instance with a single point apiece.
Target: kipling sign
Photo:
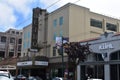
(106, 46)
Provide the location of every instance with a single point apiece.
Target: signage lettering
(106, 46)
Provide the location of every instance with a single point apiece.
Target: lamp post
(59, 42)
(62, 59)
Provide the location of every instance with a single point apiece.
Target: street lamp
(59, 43)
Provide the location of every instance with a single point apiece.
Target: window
(111, 27)
(17, 32)
(96, 23)
(12, 40)
(55, 23)
(19, 47)
(11, 54)
(54, 36)
(61, 21)
(3, 39)
(61, 33)
(54, 51)
(29, 34)
(20, 41)
(13, 32)
(115, 56)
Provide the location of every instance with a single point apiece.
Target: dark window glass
(11, 54)
(13, 32)
(19, 54)
(111, 27)
(20, 41)
(114, 56)
(19, 47)
(54, 51)
(17, 32)
(113, 72)
(3, 39)
(95, 23)
(98, 57)
(12, 40)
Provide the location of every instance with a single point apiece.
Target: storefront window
(115, 56)
(98, 57)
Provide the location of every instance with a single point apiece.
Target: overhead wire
(45, 8)
(31, 17)
(52, 4)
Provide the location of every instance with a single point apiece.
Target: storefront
(9, 64)
(33, 66)
(104, 61)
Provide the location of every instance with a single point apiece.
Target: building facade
(104, 61)
(77, 23)
(10, 49)
(71, 21)
(34, 58)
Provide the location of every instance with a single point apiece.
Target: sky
(17, 14)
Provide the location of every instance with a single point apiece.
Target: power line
(52, 4)
(23, 22)
(76, 1)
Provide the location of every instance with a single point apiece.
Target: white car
(5, 75)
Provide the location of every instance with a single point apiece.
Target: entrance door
(92, 71)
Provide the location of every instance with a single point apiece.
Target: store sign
(26, 63)
(106, 46)
(7, 67)
(41, 63)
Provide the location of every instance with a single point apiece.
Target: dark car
(20, 77)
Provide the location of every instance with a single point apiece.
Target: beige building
(72, 21)
(78, 23)
(10, 49)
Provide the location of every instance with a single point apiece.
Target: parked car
(5, 75)
(34, 78)
(21, 77)
(57, 78)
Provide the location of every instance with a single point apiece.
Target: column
(106, 72)
(78, 72)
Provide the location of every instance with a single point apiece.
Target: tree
(76, 53)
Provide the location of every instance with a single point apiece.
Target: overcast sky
(18, 13)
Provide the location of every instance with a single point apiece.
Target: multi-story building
(71, 21)
(34, 55)
(10, 48)
(77, 23)
(26, 40)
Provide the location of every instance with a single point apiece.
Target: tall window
(20, 41)
(61, 21)
(111, 27)
(54, 51)
(61, 33)
(3, 39)
(55, 23)
(12, 40)
(95, 23)
(54, 36)
(19, 47)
